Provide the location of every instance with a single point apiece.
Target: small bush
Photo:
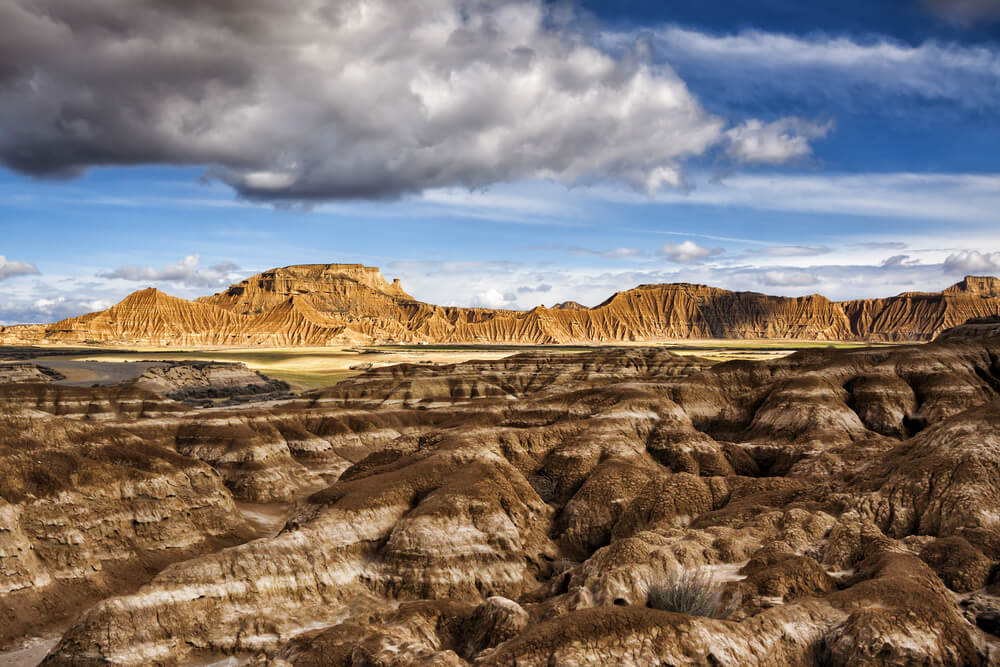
(694, 592)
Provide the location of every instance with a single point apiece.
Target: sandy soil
(266, 518)
(30, 654)
(311, 367)
(86, 373)
(302, 368)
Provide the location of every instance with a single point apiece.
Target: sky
(502, 153)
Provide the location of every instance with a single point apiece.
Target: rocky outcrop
(349, 304)
(351, 288)
(520, 511)
(974, 329)
(840, 506)
(87, 510)
(21, 372)
(569, 305)
(194, 380)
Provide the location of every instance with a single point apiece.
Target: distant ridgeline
(328, 304)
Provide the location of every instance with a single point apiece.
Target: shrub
(694, 592)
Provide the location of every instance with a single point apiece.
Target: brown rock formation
(89, 509)
(519, 512)
(348, 288)
(338, 304)
(192, 380)
(21, 372)
(569, 305)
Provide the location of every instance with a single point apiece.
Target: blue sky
(846, 148)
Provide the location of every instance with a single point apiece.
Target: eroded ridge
(843, 506)
(329, 304)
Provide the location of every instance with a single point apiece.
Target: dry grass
(693, 592)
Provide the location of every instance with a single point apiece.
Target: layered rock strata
(333, 304)
(521, 511)
(193, 380)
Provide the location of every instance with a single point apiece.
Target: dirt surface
(77, 373)
(831, 507)
(304, 368)
(30, 654)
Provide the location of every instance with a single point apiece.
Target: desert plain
(316, 367)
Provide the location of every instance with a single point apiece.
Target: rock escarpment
(349, 303)
(24, 372)
(521, 511)
(88, 509)
(193, 380)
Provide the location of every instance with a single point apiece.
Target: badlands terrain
(831, 507)
(337, 304)
(551, 506)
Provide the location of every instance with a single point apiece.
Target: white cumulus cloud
(973, 261)
(688, 251)
(490, 299)
(773, 143)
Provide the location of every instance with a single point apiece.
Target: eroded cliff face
(88, 509)
(333, 304)
(521, 512)
(349, 288)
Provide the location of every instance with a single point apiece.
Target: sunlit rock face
(833, 507)
(326, 304)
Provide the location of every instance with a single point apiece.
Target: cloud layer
(773, 143)
(10, 268)
(507, 284)
(965, 12)
(953, 198)
(813, 71)
(46, 310)
(318, 99)
(491, 283)
(185, 272)
(973, 261)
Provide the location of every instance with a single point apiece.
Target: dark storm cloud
(111, 82)
(325, 99)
